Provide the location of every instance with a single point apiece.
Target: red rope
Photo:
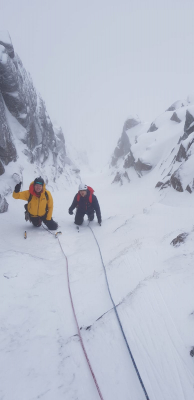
(80, 337)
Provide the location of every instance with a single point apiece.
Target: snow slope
(151, 282)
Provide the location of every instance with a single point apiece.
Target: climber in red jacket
(86, 203)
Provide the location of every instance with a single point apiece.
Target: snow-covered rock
(179, 239)
(166, 146)
(123, 145)
(25, 126)
(3, 204)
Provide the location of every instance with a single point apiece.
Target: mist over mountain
(27, 134)
(166, 146)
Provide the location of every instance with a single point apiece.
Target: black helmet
(39, 181)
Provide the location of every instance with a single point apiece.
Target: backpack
(90, 196)
(27, 214)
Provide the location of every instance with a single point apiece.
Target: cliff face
(19, 96)
(25, 126)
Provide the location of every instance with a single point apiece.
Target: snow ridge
(166, 146)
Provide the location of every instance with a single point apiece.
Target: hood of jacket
(32, 191)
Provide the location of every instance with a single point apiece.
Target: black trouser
(79, 216)
(37, 221)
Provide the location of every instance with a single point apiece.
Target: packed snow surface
(151, 282)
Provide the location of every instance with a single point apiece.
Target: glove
(100, 221)
(18, 187)
(70, 212)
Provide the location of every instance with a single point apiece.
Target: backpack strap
(90, 197)
(78, 197)
(46, 195)
(27, 214)
(30, 197)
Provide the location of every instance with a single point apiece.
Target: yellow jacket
(38, 205)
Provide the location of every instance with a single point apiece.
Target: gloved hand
(100, 221)
(17, 187)
(70, 212)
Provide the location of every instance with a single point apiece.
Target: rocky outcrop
(130, 123)
(123, 151)
(179, 239)
(3, 204)
(192, 352)
(178, 104)
(141, 166)
(152, 127)
(7, 148)
(175, 118)
(129, 160)
(188, 188)
(159, 184)
(185, 151)
(181, 155)
(171, 108)
(123, 145)
(189, 124)
(19, 96)
(175, 181)
(121, 177)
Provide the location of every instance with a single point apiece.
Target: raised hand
(17, 187)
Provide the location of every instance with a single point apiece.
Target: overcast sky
(96, 62)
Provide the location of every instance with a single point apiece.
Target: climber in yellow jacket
(40, 203)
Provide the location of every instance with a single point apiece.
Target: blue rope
(119, 321)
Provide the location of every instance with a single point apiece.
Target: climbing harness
(119, 321)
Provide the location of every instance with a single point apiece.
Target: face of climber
(38, 188)
(83, 193)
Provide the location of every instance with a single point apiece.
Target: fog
(97, 62)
